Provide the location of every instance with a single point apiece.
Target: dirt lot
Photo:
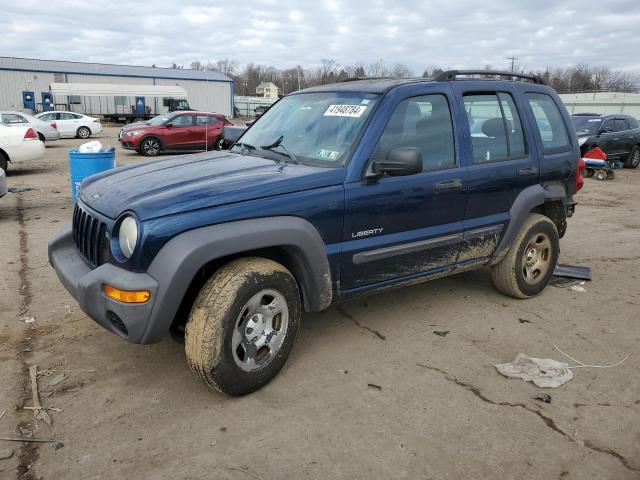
(438, 408)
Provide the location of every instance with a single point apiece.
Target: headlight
(581, 140)
(128, 236)
(133, 133)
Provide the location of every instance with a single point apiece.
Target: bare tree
(400, 70)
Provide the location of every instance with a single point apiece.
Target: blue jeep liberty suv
(337, 190)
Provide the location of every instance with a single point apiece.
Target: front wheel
(150, 147)
(531, 260)
(242, 326)
(634, 158)
(219, 145)
(83, 132)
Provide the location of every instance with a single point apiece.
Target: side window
(424, 123)
(553, 132)
(46, 117)
(182, 121)
(202, 120)
(67, 116)
(12, 118)
(608, 126)
(495, 127)
(620, 125)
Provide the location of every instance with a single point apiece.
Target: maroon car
(179, 131)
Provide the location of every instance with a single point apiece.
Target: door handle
(527, 171)
(448, 185)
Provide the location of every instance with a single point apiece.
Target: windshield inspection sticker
(354, 111)
(328, 154)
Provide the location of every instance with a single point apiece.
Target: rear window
(550, 124)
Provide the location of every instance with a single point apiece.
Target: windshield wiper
(278, 143)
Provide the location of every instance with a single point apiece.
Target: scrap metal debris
(544, 372)
(20, 189)
(543, 398)
(572, 271)
(374, 386)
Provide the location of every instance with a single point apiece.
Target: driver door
(180, 135)
(399, 227)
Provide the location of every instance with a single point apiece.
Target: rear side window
(424, 123)
(495, 127)
(621, 125)
(550, 125)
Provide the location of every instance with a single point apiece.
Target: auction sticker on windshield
(328, 154)
(354, 111)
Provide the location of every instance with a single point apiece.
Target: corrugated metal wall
(603, 102)
(13, 83)
(214, 96)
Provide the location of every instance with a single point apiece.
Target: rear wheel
(41, 137)
(150, 147)
(531, 260)
(4, 162)
(601, 175)
(242, 326)
(219, 143)
(83, 132)
(634, 158)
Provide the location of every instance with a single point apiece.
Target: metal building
(603, 102)
(26, 84)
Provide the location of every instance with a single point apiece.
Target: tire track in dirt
(28, 451)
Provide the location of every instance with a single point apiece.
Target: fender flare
(524, 203)
(177, 263)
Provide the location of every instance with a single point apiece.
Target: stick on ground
(39, 412)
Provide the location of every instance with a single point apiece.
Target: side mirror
(401, 161)
(168, 125)
(606, 130)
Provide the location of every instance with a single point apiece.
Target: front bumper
(129, 321)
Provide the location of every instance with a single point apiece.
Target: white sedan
(71, 124)
(18, 144)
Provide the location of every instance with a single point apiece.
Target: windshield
(586, 125)
(316, 128)
(158, 120)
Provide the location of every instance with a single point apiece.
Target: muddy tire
(242, 326)
(532, 257)
(633, 160)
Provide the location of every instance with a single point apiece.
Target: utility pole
(513, 62)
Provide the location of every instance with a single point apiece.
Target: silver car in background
(3, 183)
(47, 131)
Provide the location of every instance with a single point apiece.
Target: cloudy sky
(284, 33)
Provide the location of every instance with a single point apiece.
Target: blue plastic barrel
(83, 165)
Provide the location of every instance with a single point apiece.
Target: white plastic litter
(93, 146)
(544, 372)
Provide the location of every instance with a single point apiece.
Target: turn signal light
(126, 296)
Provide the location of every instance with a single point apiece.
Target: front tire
(531, 260)
(83, 132)
(634, 158)
(219, 145)
(4, 162)
(242, 326)
(150, 147)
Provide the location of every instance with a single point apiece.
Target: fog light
(126, 296)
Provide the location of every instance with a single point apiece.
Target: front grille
(89, 236)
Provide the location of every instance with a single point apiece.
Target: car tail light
(579, 175)
(30, 134)
(54, 125)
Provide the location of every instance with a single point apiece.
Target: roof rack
(586, 114)
(356, 79)
(452, 74)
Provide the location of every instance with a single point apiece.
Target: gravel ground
(369, 391)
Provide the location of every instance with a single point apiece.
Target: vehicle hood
(178, 184)
(135, 126)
